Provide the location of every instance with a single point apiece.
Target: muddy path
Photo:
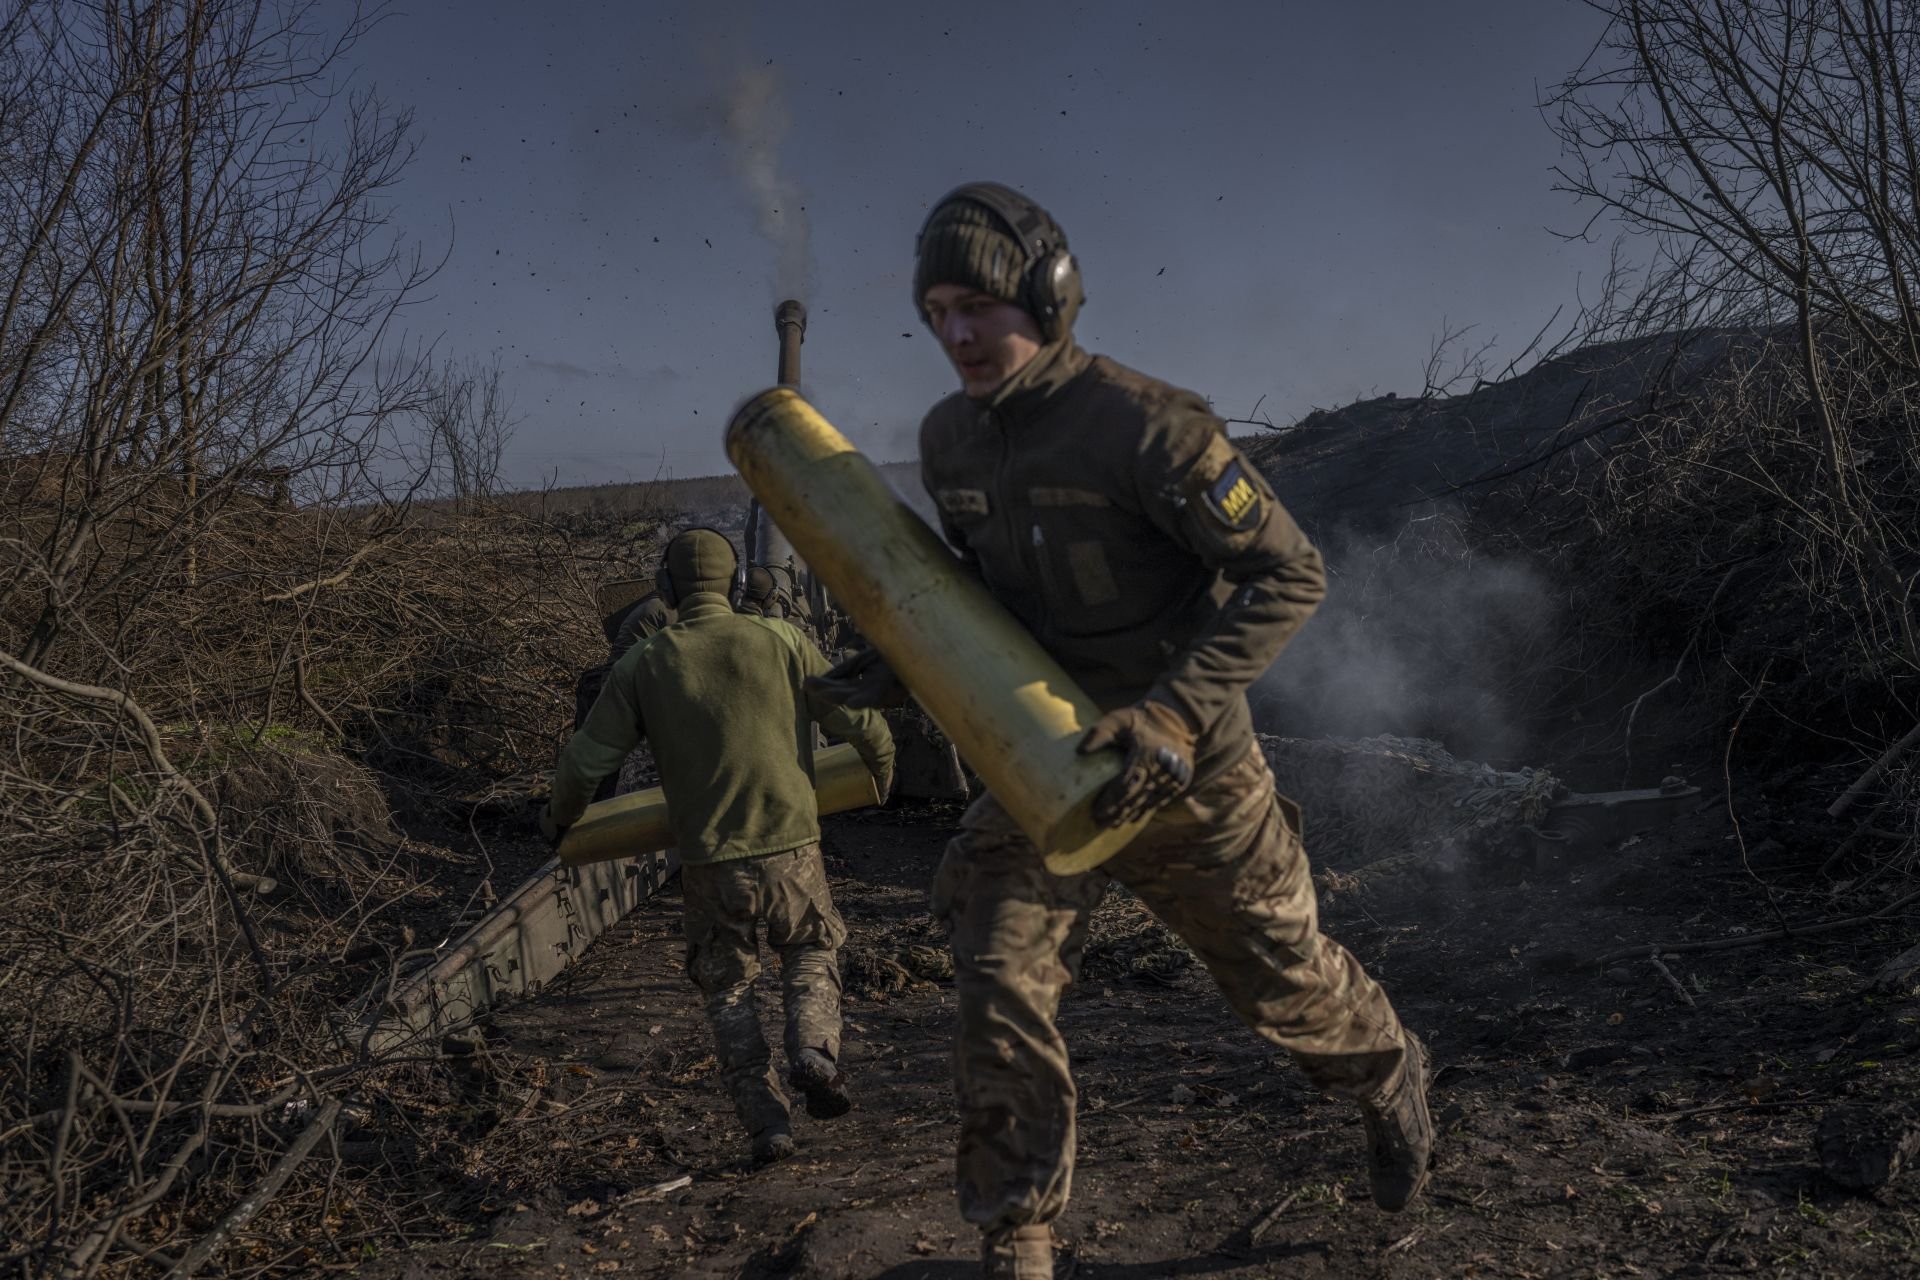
(1593, 1120)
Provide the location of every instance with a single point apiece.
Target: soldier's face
(988, 340)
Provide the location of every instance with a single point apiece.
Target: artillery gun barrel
(790, 322)
(765, 543)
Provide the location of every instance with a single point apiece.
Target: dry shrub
(138, 1006)
(1765, 527)
(305, 813)
(1712, 573)
(176, 1031)
(224, 653)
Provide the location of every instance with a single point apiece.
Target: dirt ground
(1592, 1122)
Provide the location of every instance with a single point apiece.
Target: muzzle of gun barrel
(790, 322)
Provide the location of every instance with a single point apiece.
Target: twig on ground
(1873, 773)
(658, 1189)
(256, 1199)
(1265, 1224)
(1712, 1107)
(1679, 989)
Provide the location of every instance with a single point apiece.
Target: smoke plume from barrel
(757, 121)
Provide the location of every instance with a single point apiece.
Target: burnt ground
(1591, 1122)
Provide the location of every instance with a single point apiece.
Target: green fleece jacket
(721, 696)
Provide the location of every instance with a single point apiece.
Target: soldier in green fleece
(721, 695)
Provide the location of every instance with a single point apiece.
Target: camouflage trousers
(1224, 868)
(726, 904)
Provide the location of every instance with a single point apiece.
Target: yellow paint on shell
(1015, 715)
(635, 824)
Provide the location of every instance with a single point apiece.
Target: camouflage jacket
(720, 696)
(1109, 513)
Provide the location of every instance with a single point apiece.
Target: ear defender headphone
(663, 576)
(1050, 289)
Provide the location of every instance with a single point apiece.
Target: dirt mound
(1374, 464)
(1522, 568)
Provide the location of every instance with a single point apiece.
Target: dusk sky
(1278, 200)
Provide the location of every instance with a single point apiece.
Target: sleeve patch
(962, 502)
(1233, 498)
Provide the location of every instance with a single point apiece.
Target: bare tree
(465, 424)
(195, 288)
(1765, 154)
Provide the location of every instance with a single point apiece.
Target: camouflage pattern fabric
(1224, 867)
(726, 904)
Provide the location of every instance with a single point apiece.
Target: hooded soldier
(722, 697)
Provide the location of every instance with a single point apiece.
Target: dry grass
(176, 1030)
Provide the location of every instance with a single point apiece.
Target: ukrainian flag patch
(1234, 499)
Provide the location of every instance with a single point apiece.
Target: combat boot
(823, 1083)
(772, 1145)
(1400, 1133)
(1019, 1253)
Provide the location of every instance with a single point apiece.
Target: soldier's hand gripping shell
(551, 831)
(861, 680)
(1159, 764)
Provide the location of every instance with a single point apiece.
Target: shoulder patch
(962, 502)
(1233, 498)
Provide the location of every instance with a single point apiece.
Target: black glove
(861, 680)
(1159, 766)
(549, 830)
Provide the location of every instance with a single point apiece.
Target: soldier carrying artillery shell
(1109, 513)
(721, 696)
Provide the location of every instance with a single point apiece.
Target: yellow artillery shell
(1015, 715)
(635, 824)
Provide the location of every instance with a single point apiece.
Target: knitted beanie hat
(700, 560)
(967, 244)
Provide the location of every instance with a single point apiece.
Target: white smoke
(757, 122)
(1419, 637)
